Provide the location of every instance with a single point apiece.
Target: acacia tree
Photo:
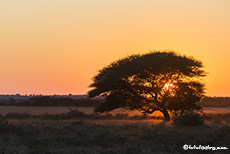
(156, 81)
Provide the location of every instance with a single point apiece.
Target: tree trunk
(166, 114)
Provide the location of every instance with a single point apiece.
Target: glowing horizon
(56, 47)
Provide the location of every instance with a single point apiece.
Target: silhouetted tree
(156, 81)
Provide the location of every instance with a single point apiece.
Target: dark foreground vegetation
(76, 132)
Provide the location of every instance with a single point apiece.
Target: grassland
(76, 132)
(88, 110)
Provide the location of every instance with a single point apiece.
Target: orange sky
(57, 46)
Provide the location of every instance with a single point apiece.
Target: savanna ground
(75, 132)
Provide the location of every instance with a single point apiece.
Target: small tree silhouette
(156, 81)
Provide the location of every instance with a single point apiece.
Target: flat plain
(87, 110)
(64, 131)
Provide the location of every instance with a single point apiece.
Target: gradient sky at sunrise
(57, 46)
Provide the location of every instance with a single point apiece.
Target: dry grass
(107, 134)
(87, 110)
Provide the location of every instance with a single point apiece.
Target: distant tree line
(215, 102)
(44, 101)
(89, 102)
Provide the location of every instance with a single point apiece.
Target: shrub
(188, 119)
(74, 113)
(18, 115)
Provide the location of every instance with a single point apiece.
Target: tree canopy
(156, 81)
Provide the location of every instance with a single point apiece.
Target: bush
(74, 113)
(18, 115)
(188, 119)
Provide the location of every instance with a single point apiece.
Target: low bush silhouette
(15, 115)
(188, 119)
